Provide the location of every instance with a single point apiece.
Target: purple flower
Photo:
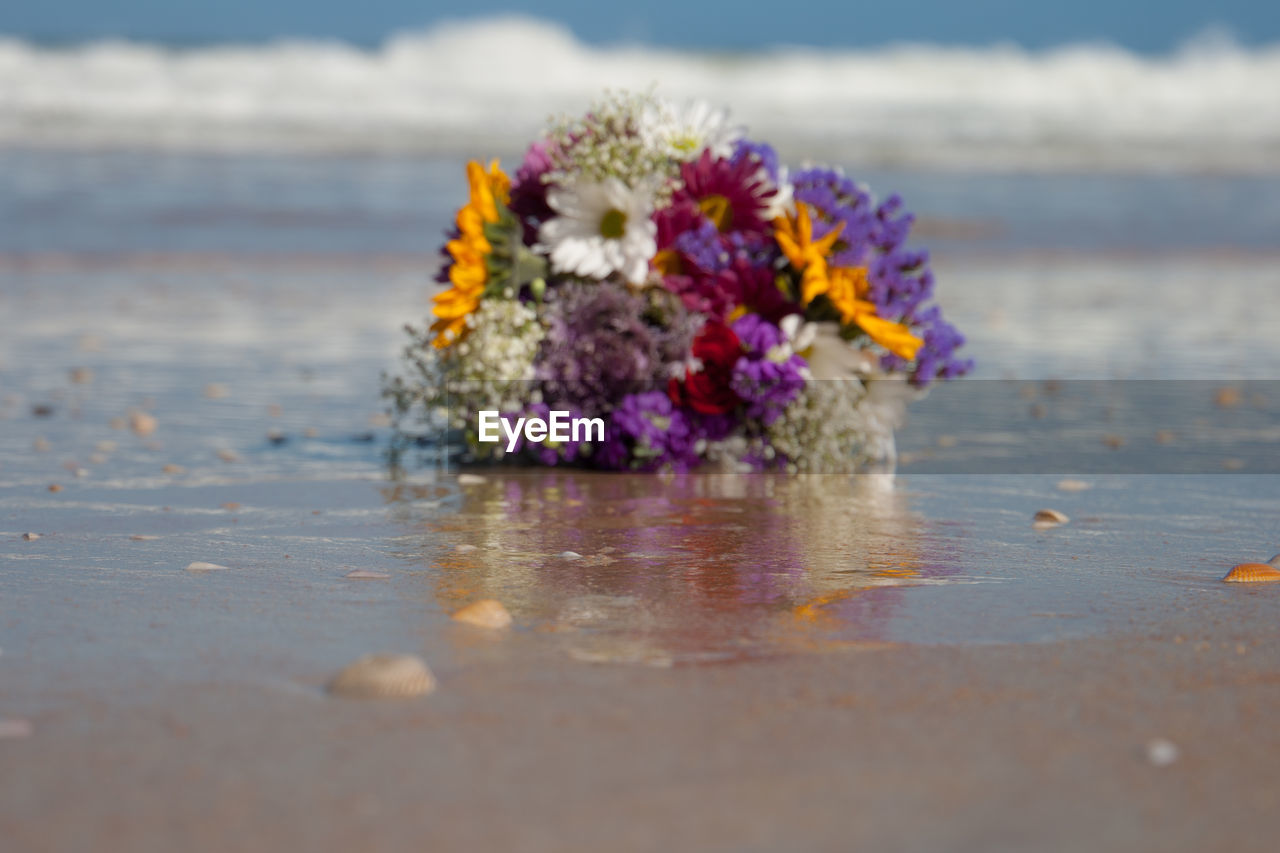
(766, 384)
(647, 432)
(600, 347)
(900, 281)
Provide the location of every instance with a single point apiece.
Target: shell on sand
(486, 613)
(1252, 573)
(366, 575)
(142, 423)
(31, 537)
(1049, 518)
(1073, 485)
(383, 676)
(200, 566)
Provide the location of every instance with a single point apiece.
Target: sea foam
(486, 86)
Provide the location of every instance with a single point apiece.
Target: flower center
(718, 210)
(613, 224)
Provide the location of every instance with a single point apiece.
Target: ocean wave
(487, 85)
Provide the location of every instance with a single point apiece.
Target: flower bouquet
(652, 269)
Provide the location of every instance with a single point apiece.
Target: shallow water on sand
(272, 362)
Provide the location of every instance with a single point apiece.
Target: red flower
(708, 391)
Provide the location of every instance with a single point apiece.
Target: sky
(1152, 26)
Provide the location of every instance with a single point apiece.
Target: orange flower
(470, 251)
(845, 287)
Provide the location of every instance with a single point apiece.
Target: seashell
(569, 555)
(486, 613)
(1161, 752)
(1046, 518)
(366, 575)
(30, 537)
(231, 506)
(1115, 442)
(1073, 485)
(470, 479)
(55, 488)
(13, 727)
(199, 566)
(215, 391)
(383, 676)
(173, 469)
(142, 423)
(1252, 573)
(1226, 397)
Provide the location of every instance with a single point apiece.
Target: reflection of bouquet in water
(652, 267)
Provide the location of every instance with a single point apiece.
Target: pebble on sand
(383, 676)
(142, 423)
(199, 566)
(1226, 397)
(1073, 485)
(12, 727)
(30, 537)
(1047, 518)
(1253, 573)
(55, 488)
(1161, 752)
(366, 575)
(486, 613)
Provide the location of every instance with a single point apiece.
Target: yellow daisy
(469, 251)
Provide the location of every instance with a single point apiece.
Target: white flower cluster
(492, 366)
(820, 426)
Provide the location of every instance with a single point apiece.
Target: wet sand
(721, 662)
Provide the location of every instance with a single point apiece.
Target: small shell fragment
(1161, 752)
(142, 423)
(383, 676)
(569, 555)
(12, 727)
(1252, 573)
(31, 537)
(1073, 485)
(199, 566)
(366, 575)
(486, 613)
(173, 469)
(1046, 518)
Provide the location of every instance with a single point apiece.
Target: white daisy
(685, 132)
(601, 228)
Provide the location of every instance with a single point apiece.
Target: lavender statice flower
(600, 346)
(900, 283)
(647, 432)
(769, 375)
